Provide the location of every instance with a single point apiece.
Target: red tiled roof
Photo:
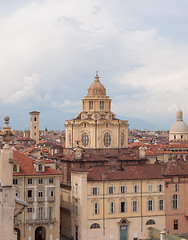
(145, 171)
(27, 165)
(175, 168)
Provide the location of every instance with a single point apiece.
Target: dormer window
(40, 167)
(15, 168)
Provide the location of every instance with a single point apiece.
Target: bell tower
(34, 125)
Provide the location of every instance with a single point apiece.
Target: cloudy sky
(50, 51)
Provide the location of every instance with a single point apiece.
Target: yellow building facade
(38, 183)
(96, 126)
(117, 204)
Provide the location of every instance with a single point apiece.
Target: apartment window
(135, 206)
(123, 189)
(40, 193)
(111, 190)
(161, 204)
(123, 207)
(175, 201)
(51, 193)
(174, 136)
(122, 139)
(85, 139)
(50, 212)
(95, 190)
(17, 194)
(51, 180)
(176, 187)
(150, 205)
(29, 193)
(29, 210)
(175, 224)
(160, 188)
(40, 180)
(40, 213)
(90, 104)
(101, 104)
(15, 181)
(175, 179)
(112, 207)
(107, 139)
(95, 208)
(29, 181)
(135, 189)
(150, 188)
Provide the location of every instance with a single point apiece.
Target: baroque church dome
(96, 88)
(179, 129)
(179, 125)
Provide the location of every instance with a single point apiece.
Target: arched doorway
(123, 229)
(18, 233)
(40, 233)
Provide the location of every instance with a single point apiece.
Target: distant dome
(96, 88)
(179, 129)
(179, 126)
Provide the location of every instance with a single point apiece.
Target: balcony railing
(30, 199)
(51, 199)
(41, 221)
(40, 199)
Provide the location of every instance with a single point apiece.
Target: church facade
(96, 126)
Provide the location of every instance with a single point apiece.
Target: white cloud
(64, 42)
(27, 91)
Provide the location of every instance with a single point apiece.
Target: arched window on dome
(122, 139)
(85, 139)
(90, 104)
(94, 226)
(107, 139)
(101, 104)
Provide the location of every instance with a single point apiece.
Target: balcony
(51, 199)
(29, 199)
(40, 199)
(41, 221)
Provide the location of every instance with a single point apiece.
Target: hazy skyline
(51, 50)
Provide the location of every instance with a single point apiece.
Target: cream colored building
(38, 183)
(96, 126)
(179, 129)
(111, 204)
(34, 125)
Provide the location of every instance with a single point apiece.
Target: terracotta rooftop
(175, 168)
(27, 165)
(137, 172)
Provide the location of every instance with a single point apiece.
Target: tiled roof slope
(145, 171)
(27, 166)
(176, 168)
